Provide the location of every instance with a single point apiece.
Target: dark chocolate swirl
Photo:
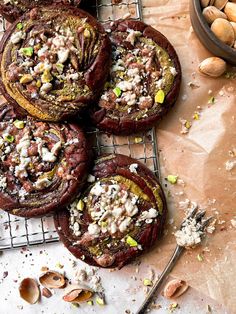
(54, 62)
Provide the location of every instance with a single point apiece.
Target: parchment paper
(198, 158)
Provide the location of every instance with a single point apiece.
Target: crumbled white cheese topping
(42, 183)
(90, 278)
(190, 233)
(133, 168)
(91, 178)
(16, 37)
(3, 182)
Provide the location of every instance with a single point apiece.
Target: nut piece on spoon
(213, 66)
(29, 290)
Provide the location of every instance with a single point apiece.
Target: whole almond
(234, 27)
(205, 3)
(212, 66)
(219, 4)
(224, 31)
(211, 13)
(230, 11)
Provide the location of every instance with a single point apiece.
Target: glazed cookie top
(54, 61)
(122, 204)
(144, 77)
(42, 164)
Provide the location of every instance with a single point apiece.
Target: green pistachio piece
(131, 242)
(46, 76)
(147, 282)
(19, 124)
(19, 26)
(160, 97)
(199, 257)
(27, 51)
(211, 100)
(172, 179)
(26, 78)
(117, 91)
(100, 301)
(59, 67)
(80, 205)
(90, 302)
(9, 138)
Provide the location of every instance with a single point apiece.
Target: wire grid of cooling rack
(18, 232)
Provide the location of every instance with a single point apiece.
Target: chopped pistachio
(9, 138)
(172, 178)
(38, 83)
(188, 124)
(27, 51)
(19, 26)
(138, 140)
(75, 305)
(173, 306)
(117, 91)
(80, 205)
(147, 282)
(86, 33)
(100, 301)
(19, 124)
(26, 78)
(160, 97)
(131, 242)
(107, 85)
(211, 100)
(104, 224)
(90, 302)
(59, 265)
(196, 116)
(59, 67)
(46, 77)
(200, 257)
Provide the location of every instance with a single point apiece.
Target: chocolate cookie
(120, 215)
(54, 62)
(13, 9)
(144, 79)
(43, 165)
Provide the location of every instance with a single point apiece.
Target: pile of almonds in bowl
(221, 16)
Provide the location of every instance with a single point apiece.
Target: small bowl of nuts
(214, 22)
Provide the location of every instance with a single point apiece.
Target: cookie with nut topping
(144, 80)
(43, 166)
(54, 62)
(13, 9)
(119, 216)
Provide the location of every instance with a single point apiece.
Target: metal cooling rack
(18, 232)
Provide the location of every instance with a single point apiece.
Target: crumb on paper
(211, 227)
(193, 85)
(230, 164)
(211, 100)
(186, 125)
(233, 222)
